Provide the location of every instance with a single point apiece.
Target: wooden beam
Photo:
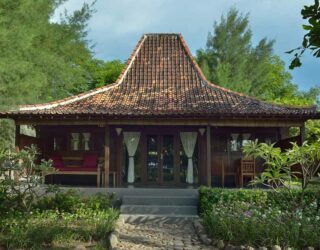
(216, 122)
(208, 156)
(106, 156)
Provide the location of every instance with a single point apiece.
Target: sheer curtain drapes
(131, 139)
(188, 140)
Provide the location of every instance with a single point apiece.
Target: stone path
(159, 233)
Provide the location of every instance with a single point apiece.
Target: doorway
(161, 159)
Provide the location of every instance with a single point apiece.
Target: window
(75, 141)
(245, 139)
(234, 143)
(81, 141)
(57, 143)
(86, 141)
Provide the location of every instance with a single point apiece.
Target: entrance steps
(159, 202)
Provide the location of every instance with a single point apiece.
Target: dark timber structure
(160, 124)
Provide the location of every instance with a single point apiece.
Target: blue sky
(117, 25)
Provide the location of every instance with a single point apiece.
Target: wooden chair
(225, 172)
(247, 169)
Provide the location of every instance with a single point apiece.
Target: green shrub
(262, 217)
(210, 196)
(43, 229)
(59, 219)
(71, 200)
(63, 201)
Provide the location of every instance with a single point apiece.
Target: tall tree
(102, 73)
(231, 61)
(42, 59)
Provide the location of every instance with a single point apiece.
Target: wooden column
(119, 158)
(302, 133)
(208, 156)
(106, 155)
(17, 138)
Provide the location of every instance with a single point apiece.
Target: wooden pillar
(119, 152)
(17, 138)
(208, 156)
(106, 155)
(302, 134)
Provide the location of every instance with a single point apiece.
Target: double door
(161, 159)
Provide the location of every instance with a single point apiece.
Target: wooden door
(160, 159)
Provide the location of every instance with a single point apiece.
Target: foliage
(209, 196)
(68, 201)
(40, 54)
(311, 40)
(103, 73)
(6, 134)
(307, 157)
(51, 228)
(231, 61)
(249, 217)
(20, 177)
(278, 164)
(59, 220)
(43, 59)
(277, 172)
(312, 130)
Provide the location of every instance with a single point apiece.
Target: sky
(117, 25)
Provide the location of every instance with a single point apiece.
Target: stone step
(157, 218)
(165, 210)
(120, 192)
(160, 200)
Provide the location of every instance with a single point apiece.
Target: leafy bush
(60, 219)
(48, 228)
(211, 196)
(262, 217)
(30, 219)
(70, 200)
(20, 177)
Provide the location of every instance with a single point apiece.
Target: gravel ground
(159, 233)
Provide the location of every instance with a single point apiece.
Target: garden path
(159, 233)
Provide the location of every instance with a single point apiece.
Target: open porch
(118, 155)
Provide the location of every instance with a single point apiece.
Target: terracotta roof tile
(161, 78)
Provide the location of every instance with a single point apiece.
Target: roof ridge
(210, 84)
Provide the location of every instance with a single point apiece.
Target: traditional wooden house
(161, 123)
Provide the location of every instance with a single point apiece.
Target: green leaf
(307, 27)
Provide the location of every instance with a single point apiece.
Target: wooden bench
(77, 169)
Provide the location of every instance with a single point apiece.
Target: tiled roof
(161, 78)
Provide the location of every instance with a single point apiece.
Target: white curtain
(86, 138)
(75, 141)
(188, 140)
(245, 138)
(131, 139)
(234, 142)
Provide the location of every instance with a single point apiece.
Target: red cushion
(90, 161)
(57, 161)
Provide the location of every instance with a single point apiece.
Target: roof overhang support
(208, 156)
(106, 156)
(302, 133)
